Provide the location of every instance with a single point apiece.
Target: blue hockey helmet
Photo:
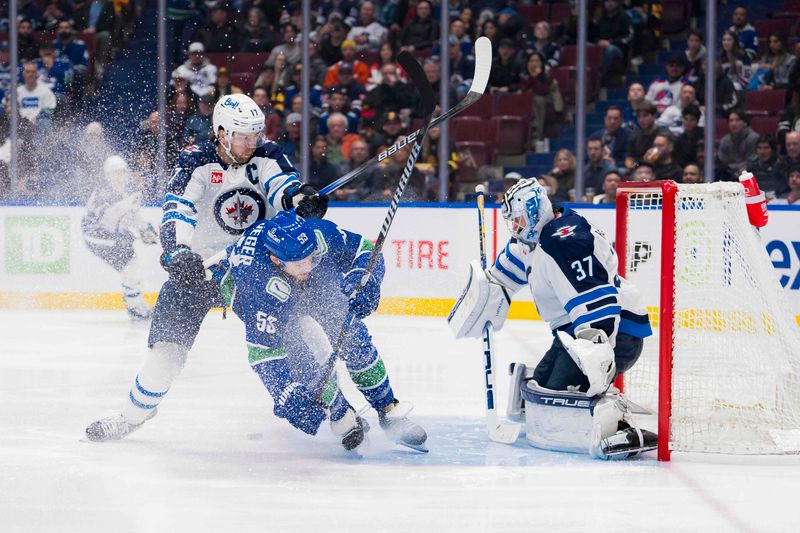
(289, 238)
(526, 210)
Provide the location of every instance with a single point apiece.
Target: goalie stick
(498, 430)
(417, 75)
(483, 66)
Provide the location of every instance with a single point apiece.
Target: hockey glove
(184, 266)
(308, 203)
(367, 299)
(148, 234)
(296, 404)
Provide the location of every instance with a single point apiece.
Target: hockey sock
(162, 366)
(371, 379)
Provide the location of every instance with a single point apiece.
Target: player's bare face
(300, 270)
(243, 146)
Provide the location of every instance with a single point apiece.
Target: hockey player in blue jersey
(216, 191)
(110, 227)
(597, 319)
(293, 278)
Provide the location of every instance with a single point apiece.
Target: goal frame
(668, 190)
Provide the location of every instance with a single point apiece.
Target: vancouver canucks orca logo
(239, 209)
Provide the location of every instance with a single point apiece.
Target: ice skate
(113, 427)
(352, 428)
(627, 442)
(137, 307)
(394, 421)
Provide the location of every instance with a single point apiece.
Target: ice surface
(216, 459)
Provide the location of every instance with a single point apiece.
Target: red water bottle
(755, 200)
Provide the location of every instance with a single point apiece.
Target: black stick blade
(419, 80)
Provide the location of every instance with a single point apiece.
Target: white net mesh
(736, 349)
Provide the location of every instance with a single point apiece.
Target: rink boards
(46, 264)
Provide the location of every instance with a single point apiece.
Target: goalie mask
(526, 210)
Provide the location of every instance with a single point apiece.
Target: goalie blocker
(481, 301)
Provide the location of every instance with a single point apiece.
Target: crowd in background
(361, 101)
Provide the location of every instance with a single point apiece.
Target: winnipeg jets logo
(237, 210)
(239, 213)
(565, 232)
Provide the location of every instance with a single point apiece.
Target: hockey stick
(498, 431)
(417, 75)
(483, 66)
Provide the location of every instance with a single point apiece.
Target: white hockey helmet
(116, 172)
(526, 209)
(237, 113)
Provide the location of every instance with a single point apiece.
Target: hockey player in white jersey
(597, 319)
(111, 225)
(216, 191)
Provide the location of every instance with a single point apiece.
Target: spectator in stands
(646, 21)
(505, 75)
(392, 167)
(5, 70)
(567, 32)
(355, 91)
(459, 30)
(268, 81)
(660, 155)
(672, 117)
(296, 87)
(358, 189)
(198, 70)
(391, 95)
(695, 55)
(792, 143)
(685, 151)
(289, 47)
(724, 90)
(462, 67)
(102, 23)
(338, 103)
(792, 196)
(664, 92)
(179, 108)
(145, 150)
(610, 183)
(320, 172)
(641, 140)
(782, 66)
(283, 74)
(545, 45)
(538, 82)
(220, 33)
(613, 136)
(636, 94)
(72, 49)
(744, 32)
(56, 74)
(692, 173)
(330, 39)
(489, 30)
(738, 146)
(422, 31)
(467, 19)
(735, 63)
(255, 33)
(428, 161)
(338, 139)
(391, 128)
(767, 167)
(612, 31)
(179, 84)
(597, 165)
(344, 10)
(36, 101)
(359, 69)
(223, 86)
(510, 25)
(643, 172)
(433, 73)
(273, 118)
(368, 34)
(290, 138)
(198, 126)
(555, 193)
(318, 69)
(27, 45)
(564, 171)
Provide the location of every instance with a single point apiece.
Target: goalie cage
(722, 369)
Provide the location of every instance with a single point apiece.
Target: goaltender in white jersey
(597, 319)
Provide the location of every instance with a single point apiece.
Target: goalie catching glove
(594, 355)
(483, 300)
(306, 201)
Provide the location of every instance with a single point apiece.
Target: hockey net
(722, 369)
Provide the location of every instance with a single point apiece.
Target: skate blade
(631, 453)
(416, 447)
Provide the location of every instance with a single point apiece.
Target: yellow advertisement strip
(700, 319)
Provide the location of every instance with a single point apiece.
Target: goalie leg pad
(480, 302)
(568, 421)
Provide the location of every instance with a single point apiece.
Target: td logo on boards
(37, 245)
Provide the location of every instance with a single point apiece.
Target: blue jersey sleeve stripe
(269, 180)
(611, 310)
(588, 296)
(279, 189)
(514, 259)
(510, 275)
(634, 329)
(184, 201)
(174, 215)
